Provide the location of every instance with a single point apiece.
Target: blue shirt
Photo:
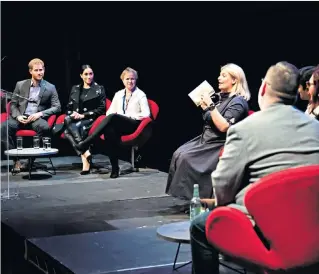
(32, 108)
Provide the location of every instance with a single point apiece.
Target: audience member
(313, 90)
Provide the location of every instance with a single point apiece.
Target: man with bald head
(276, 138)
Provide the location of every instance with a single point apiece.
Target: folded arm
(235, 112)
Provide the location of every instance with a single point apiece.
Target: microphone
(215, 97)
(3, 58)
(17, 95)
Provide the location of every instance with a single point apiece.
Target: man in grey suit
(276, 138)
(33, 102)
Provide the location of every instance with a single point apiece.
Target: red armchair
(26, 132)
(144, 131)
(284, 206)
(60, 119)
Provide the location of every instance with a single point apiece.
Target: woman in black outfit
(86, 103)
(193, 162)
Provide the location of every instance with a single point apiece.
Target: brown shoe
(16, 167)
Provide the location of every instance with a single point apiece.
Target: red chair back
(153, 108)
(251, 112)
(5, 115)
(107, 104)
(8, 108)
(285, 206)
(144, 130)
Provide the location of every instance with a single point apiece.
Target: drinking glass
(46, 143)
(36, 142)
(19, 143)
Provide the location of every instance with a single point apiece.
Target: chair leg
(132, 156)
(136, 169)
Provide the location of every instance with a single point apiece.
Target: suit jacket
(277, 138)
(48, 101)
(93, 104)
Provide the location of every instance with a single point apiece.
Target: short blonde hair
(35, 61)
(127, 70)
(241, 86)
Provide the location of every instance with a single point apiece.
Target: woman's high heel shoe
(86, 172)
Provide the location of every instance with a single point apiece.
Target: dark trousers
(40, 126)
(76, 131)
(113, 127)
(204, 255)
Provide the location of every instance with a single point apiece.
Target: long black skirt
(193, 163)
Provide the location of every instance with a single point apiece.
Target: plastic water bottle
(195, 205)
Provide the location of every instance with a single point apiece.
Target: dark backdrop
(173, 45)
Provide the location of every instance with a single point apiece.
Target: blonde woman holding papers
(193, 162)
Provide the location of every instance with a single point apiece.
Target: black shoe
(115, 173)
(86, 172)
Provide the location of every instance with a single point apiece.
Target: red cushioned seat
(144, 131)
(285, 207)
(26, 132)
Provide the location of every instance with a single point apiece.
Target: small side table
(32, 154)
(178, 233)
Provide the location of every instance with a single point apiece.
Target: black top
(87, 101)
(84, 93)
(233, 109)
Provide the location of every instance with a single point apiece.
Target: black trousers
(40, 126)
(113, 127)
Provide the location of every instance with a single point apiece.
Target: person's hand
(22, 119)
(34, 116)
(77, 116)
(210, 203)
(203, 104)
(206, 99)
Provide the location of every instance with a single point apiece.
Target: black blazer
(93, 104)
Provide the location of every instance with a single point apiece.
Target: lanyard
(127, 101)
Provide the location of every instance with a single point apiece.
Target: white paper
(203, 88)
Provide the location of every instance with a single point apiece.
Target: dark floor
(92, 224)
